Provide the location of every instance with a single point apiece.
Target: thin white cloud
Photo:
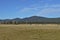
(46, 7)
(41, 10)
(28, 9)
(49, 10)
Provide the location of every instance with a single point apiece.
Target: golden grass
(30, 32)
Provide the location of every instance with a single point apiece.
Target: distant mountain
(42, 19)
(17, 19)
(35, 19)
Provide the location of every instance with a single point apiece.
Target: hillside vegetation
(31, 20)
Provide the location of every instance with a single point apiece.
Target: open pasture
(30, 32)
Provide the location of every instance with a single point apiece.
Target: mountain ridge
(33, 19)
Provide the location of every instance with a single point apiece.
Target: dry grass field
(30, 32)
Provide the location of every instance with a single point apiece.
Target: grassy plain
(30, 32)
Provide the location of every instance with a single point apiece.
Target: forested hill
(31, 20)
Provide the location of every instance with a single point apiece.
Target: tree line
(25, 22)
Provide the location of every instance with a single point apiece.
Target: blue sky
(27, 8)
